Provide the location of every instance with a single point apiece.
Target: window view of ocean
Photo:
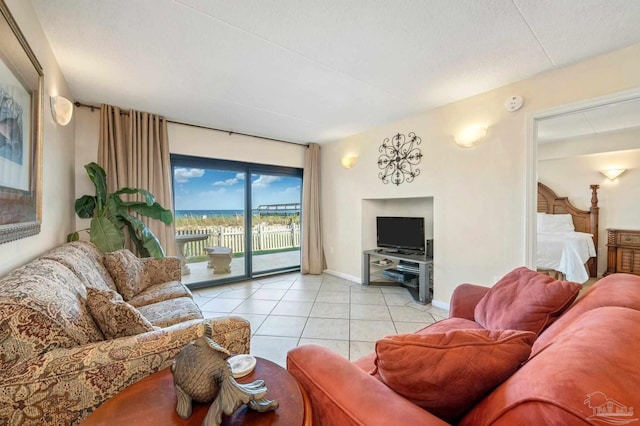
(209, 203)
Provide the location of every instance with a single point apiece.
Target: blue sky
(206, 189)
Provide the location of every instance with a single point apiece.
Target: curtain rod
(93, 107)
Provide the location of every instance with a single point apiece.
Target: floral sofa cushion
(86, 261)
(128, 272)
(169, 312)
(162, 270)
(115, 317)
(160, 292)
(42, 308)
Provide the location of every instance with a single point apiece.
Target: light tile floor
(289, 310)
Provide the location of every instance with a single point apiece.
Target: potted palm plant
(110, 215)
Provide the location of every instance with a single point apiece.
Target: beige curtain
(133, 149)
(313, 260)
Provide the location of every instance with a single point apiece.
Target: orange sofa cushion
(525, 300)
(447, 373)
(588, 374)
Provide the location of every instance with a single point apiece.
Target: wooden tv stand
(423, 293)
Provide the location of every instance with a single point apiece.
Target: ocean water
(208, 213)
(227, 213)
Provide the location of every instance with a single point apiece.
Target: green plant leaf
(110, 215)
(115, 208)
(99, 179)
(106, 235)
(74, 236)
(85, 206)
(149, 199)
(142, 232)
(155, 211)
(133, 236)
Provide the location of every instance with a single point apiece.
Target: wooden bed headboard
(583, 220)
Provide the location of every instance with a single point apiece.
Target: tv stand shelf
(422, 265)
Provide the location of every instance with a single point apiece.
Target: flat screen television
(401, 233)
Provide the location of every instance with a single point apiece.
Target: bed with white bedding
(567, 236)
(566, 252)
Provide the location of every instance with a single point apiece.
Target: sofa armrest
(343, 394)
(464, 300)
(162, 269)
(65, 385)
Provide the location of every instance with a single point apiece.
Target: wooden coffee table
(152, 401)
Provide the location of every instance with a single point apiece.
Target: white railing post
(261, 237)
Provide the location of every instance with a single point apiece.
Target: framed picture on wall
(21, 105)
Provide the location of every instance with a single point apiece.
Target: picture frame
(21, 128)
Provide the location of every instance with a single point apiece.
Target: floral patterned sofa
(57, 366)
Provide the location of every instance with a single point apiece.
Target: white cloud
(292, 189)
(183, 175)
(229, 182)
(264, 181)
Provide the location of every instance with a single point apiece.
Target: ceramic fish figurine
(202, 374)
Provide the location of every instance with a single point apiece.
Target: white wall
(478, 193)
(58, 160)
(200, 142)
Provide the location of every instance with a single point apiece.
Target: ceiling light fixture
(470, 136)
(612, 174)
(61, 110)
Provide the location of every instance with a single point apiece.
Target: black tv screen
(405, 233)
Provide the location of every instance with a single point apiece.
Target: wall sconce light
(348, 161)
(470, 136)
(612, 174)
(61, 109)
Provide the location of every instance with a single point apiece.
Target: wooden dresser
(623, 251)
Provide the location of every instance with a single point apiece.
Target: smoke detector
(514, 103)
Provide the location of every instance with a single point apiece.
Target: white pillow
(555, 223)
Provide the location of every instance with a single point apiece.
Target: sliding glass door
(275, 222)
(235, 220)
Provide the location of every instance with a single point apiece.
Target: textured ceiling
(317, 70)
(610, 118)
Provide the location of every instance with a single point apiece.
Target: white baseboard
(441, 305)
(343, 276)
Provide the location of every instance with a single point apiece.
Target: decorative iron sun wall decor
(398, 158)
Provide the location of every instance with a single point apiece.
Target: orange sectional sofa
(582, 367)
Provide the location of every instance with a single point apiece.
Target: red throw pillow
(448, 373)
(525, 300)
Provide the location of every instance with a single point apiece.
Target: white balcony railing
(264, 237)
